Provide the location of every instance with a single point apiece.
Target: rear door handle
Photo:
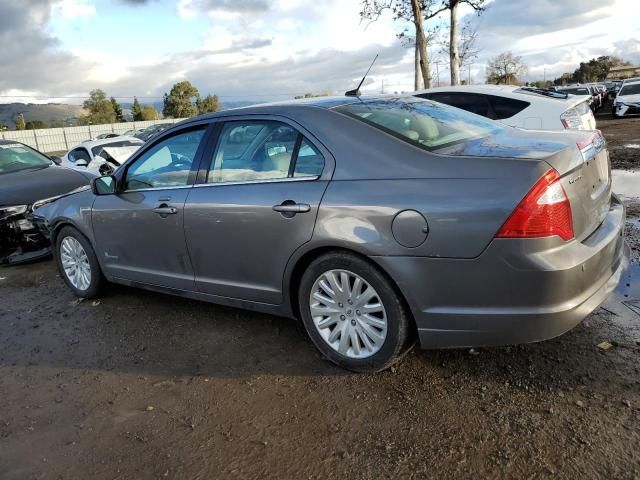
(165, 210)
(292, 208)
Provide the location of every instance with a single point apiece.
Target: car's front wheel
(77, 263)
(352, 312)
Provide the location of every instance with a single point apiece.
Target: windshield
(630, 90)
(426, 124)
(16, 156)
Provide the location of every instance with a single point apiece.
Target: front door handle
(292, 208)
(165, 210)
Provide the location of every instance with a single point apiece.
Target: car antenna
(356, 91)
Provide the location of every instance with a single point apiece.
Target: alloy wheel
(75, 263)
(348, 313)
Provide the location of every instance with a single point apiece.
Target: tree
(117, 109)
(3, 127)
(595, 70)
(467, 48)
(149, 113)
(181, 101)
(505, 69)
(416, 12)
(20, 125)
(136, 110)
(208, 104)
(99, 107)
(454, 54)
(35, 125)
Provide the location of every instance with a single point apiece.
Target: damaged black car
(27, 176)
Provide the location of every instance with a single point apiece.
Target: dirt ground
(142, 385)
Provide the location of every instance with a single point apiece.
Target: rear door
(255, 203)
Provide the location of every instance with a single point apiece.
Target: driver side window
(167, 164)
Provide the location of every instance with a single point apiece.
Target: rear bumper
(517, 291)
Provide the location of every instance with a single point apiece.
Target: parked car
(26, 176)
(369, 218)
(580, 91)
(522, 107)
(133, 132)
(101, 157)
(107, 135)
(149, 132)
(627, 101)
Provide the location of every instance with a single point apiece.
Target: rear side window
(490, 106)
(506, 107)
(422, 123)
(262, 150)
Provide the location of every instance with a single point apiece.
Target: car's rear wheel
(352, 312)
(77, 263)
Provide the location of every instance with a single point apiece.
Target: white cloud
(74, 8)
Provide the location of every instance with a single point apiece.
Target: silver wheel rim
(348, 314)
(75, 263)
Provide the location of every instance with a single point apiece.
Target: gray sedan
(375, 221)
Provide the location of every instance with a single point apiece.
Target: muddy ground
(142, 385)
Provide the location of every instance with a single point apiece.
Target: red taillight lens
(544, 212)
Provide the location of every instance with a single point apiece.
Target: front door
(139, 232)
(256, 206)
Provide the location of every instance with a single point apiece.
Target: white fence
(50, 140)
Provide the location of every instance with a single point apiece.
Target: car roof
(107, 141)
(509, 91)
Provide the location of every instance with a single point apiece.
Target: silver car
(375, 221)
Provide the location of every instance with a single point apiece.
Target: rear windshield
(576, 91)
(16, 156)
(630, 89)
(423, 123)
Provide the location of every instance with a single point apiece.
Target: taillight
(544, 212)
(571, 119)
(590, 146)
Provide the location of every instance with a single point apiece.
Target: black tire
(97, 279)
(397, 317)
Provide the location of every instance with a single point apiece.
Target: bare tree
(454, 54)
(467, 46)
(416, 12)
(505, 69)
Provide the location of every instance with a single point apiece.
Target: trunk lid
(586, 179)
(580, 157)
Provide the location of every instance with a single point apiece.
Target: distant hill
(50, 113)
(60, 114)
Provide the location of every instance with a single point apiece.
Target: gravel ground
(142, 385)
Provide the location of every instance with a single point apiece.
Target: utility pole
(545, 75)
(469, 81)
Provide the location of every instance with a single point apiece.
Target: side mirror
(103, 185)
(56, 160)
(81, 163)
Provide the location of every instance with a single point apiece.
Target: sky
(59, 50)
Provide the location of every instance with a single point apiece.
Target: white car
(101, 157)
(627, 101)
(523, 107)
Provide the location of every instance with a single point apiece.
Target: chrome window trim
(266, 180)
(177, 187)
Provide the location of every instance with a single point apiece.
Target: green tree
(99, 107)
(3, 127)
(20, 125)
(505, 69)
(595, 70)
(136, 110)
(35, 125)
(150, 113)
(210, 103)
(181, 101)
(117, 109)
